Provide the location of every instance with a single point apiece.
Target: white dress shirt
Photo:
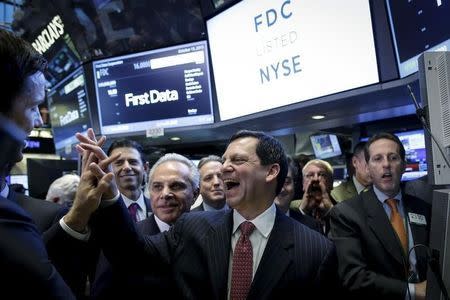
(142, 208)
(259, 237)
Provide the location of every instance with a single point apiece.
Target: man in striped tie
(376, 232)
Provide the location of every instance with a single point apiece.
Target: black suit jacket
(45, 214)
(197, 251)
(305, 220)
(26, 271)
(371, 258)
(110, 283)
(69, 255)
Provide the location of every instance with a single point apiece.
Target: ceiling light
(318, 117)
(175, 138)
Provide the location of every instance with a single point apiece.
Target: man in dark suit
(375, 232)
(204, 250)
(284, 198)
(26, 269)
(168, 204)
(211, 184)
(359, 179)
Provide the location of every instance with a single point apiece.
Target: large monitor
(414, 144)
(325, 145)
(69, 111)
(418, 26)
(267, 54)
(163, 88)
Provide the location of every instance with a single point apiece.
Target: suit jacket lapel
(351, 189)
(148, 207)
(275, 259)
(218, 244)
(382, 228)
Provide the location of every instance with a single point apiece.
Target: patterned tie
(242, 270)
(397, 224)
(132, 209)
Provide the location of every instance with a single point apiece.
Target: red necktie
(242, 269)
(397, 224)
(132, 209)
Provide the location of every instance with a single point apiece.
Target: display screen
(163, 88)
(418, 26)
(325, 146)
(68, 107)
(267, 54)
(414, 144)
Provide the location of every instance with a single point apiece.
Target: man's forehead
(383, 146)
(210, 166)
(130, 151)
(242, 145)
(171, 167)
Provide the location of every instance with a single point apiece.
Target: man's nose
(38, 120)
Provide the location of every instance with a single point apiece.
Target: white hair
(63, 189)
(194, 175)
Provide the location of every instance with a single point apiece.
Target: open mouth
(230, 184)
(386, 175)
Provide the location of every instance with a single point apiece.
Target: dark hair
(293, 166)
(387, 136)
(125, 143)
(359, 147)
(18, 60)
(269, 151)
(208, 159)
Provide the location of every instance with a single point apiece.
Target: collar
(208, 207)
(140, 201)
(264, 222)
(382, 197)
(5, 192)
(161, 225)
(359, 187)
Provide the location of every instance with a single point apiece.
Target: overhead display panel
(418, 26)
(164, 88)
(266, 54)
(69, 109)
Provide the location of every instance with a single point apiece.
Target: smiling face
(171, 192)
(129, 171)
(211, 184)
(245, 179)
(385, 166)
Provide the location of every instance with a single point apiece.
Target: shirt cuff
(75, 234)
(109, 202)
(412, 292)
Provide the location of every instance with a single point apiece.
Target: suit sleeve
(352, 267)
(120, 240)
(25, 260)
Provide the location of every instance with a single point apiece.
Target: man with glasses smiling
(376, 231)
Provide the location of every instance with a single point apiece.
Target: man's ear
(272, 172)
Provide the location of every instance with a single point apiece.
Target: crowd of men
(247, 240)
